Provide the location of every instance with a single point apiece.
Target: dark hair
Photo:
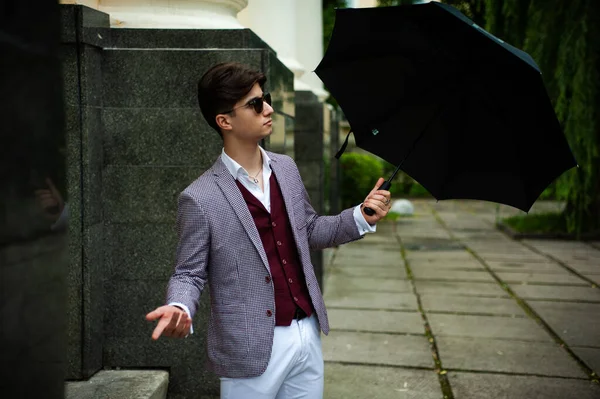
(222, 86)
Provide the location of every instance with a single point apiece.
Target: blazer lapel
(231, 191)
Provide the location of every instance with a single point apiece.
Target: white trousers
(295, 369)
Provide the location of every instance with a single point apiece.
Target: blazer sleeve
(327, 231)
(190, 275)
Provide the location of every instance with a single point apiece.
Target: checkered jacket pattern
(219, 244)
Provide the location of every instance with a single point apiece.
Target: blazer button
(267, 279)
(269, 313)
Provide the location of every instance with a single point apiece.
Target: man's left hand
(379, 201)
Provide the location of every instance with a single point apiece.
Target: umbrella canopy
(462, 112)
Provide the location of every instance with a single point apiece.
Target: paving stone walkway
(443, 305)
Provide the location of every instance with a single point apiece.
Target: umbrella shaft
(389, 181)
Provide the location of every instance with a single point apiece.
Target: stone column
(334, 164)
(309, 43)
(85, 32)
(276, 23)
(169, 14)
(309, 150)
(174, 14)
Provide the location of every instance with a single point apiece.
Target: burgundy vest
(278, 241)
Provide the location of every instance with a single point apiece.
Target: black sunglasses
(257, 103)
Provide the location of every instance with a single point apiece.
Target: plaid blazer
(219, 244)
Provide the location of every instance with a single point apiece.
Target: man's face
(246, 123)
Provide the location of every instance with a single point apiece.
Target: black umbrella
(459, 110)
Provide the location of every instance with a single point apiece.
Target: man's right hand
(172, 322)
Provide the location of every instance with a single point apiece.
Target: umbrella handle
(385, 186)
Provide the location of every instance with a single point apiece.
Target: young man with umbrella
(246, 227)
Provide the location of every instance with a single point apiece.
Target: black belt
(299, 314)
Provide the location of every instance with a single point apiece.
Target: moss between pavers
(550, 225)
(392, 217)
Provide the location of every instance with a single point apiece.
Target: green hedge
(360, 173)
(403, 185)
(550, 222)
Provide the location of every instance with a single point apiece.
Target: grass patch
(391, 217)
(551, 222)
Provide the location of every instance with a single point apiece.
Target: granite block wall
(155, 144)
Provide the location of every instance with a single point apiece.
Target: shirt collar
(235, 168)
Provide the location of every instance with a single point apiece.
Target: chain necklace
(254, 179)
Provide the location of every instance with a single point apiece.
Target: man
(246, 227)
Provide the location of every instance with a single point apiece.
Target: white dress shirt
(264, 196)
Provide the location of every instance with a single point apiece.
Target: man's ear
(223, 122)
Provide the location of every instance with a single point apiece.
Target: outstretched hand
(379, 201)
(172, 322)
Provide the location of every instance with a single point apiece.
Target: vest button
(267, 279)
(295, 299)
(274, 224)
(269, 313)
(284, 262)
(279, 243)
(290, 280)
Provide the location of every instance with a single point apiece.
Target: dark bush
(359, 175)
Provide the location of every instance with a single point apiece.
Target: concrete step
(120, 384)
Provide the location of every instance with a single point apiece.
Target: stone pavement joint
(443, 378)
(593, 376)
(563, 264)
(509, 373)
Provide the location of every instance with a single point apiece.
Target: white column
(89, 3)
(309, 43)
(173, 14)
(362, 3)
(275, 23)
